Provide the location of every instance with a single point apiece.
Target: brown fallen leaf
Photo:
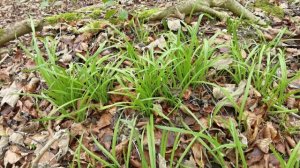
(63, 144)
(269, 131)
(11, 158)
(254, 156)
(16, 138)
(222, 63)
(290, 141)
(162, 163)
(187, 94)
(32, 85)
(120, 148)
(160, 43)
(197, 153)
(48, 158)
(263, 144)
(10, 95)
(219, 94)
(190, 163)
(104, 120)
(3, 144)
(295, 84)
(174, 24)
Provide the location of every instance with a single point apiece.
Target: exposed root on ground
(185, 7)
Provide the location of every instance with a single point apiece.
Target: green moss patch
(65, 17)
(269, 8)
(94, 26)
(147, 13)
(95, 14)
(1, 32)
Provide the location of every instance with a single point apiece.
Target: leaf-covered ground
(107, 89)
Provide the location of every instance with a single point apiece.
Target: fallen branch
(19, 29)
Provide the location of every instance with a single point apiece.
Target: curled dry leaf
(254, 156)
(162, 163)
(160, 43)
(77, 129)
(290, 141)
(222, 63)
(269, 131)
(263, 144)
(10, 95)
(16, 138)
(120, 148)
(190, 163)
(290, 103)
(236, 94)
(252, 121)
(174, 24)
(295, 84)
(219, 94)
(63, 144)
(3, 144)
(32, 85)
(187, 94)
(105, 120)
(197, 153)
(11, 158)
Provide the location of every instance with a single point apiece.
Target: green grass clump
(150, 78)
(80, 85)
(65, 17)
(266, 6)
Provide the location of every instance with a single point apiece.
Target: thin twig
(56, 137)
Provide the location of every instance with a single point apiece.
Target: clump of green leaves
(77, 86)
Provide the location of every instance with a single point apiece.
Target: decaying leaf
(263, 144)
(222, 63)
(219, 94)
(32, 85)
(3, 144)
(10, 95)
(160, 43)
(63, 144)
(295, 84)
(198, 155)
(16, 138)
(190, 163)
(11, 158)
(174, 24)
(269, 131)
(162, 163)
(120, 148)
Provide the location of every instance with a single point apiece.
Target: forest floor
(107, 89)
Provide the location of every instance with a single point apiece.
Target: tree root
(206, 6)
(19, 29)
(185, 7)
